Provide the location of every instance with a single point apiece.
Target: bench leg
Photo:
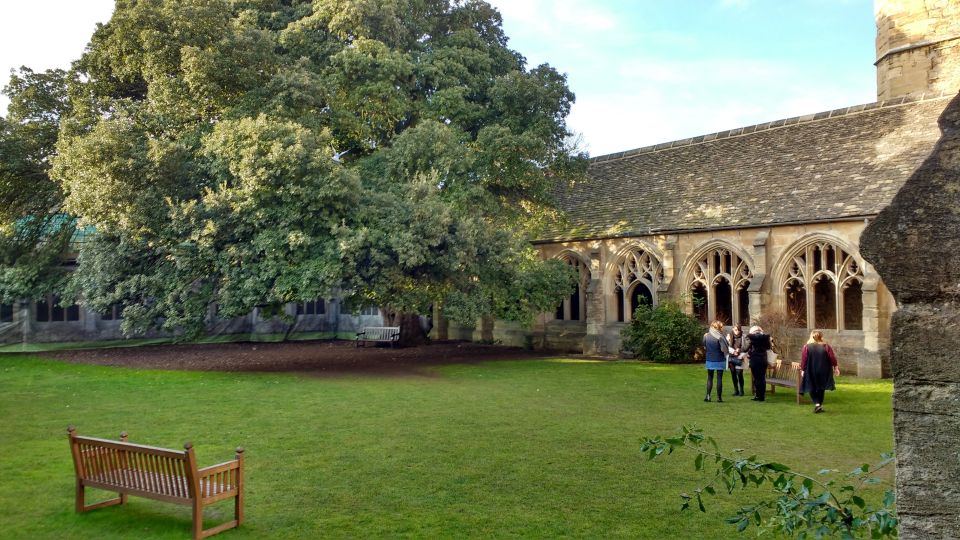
(81, 492)
(198, 530)
(238, 509)
(81, 505)
(197, 519)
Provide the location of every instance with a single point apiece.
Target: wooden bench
(786, 374)
(379, 334)
(156, 473)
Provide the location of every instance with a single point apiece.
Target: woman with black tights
(716, 348)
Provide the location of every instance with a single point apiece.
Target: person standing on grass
(818, 365)
(758, 343)
(735, 360)
(717, 349)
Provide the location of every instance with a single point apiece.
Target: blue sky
(644, 71)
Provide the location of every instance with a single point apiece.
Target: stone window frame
(583, 266)
(739, 273)
(637, 263)
(113, 313)
(51, 302)
(311, 308)
(798, 266)
(8, 316)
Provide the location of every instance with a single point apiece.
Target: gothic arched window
(574, 307)
(719, 287)
(824, 288)
(638, 275)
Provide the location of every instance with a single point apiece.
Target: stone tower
(918, 47)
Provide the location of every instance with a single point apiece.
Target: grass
(535, 448)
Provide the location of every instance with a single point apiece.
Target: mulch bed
(315, 357)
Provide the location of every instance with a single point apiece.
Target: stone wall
(92, 327)
(768, 252)
(918, 47)
(915, 245)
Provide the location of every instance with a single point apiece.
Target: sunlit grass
(543, 448)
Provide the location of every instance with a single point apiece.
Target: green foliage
(34, 234)
(665, 333)
(801, 506)
(254, 153)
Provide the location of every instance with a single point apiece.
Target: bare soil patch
(314, 357)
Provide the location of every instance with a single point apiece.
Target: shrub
(664, 333)
(788, 333)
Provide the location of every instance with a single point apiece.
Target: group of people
(818, 362)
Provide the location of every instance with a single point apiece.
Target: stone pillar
(870, 365)
(755, 290)
(441, 326)
(669, 270)
(915, 246)
(483, 333)
(25, 318)
(596, 310)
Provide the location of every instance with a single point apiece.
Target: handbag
(771, 358)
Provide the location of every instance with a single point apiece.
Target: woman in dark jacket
(757, 347)
(818, 363)
(716, 349)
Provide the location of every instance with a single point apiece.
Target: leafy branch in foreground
(803, 506)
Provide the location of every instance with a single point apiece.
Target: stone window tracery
(719, 287)
(823, 288)
(574, 307)
(637, 278)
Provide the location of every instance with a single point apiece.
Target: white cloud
(551, 18)
(702, 71)
(736, 4)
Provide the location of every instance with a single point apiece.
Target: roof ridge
(776, 124)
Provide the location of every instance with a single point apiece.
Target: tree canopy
(34, 233)
(251, 153)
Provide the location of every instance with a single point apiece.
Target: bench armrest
(220, 467)
(361, 333)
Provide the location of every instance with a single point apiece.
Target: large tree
(34, 232)
(257, 152)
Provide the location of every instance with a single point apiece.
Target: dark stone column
(915, 246)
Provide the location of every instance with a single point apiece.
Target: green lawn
(534, 448)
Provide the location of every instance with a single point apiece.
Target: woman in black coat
(757, 346)
(818, 364)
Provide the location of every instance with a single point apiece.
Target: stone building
(763, 219)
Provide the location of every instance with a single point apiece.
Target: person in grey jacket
(716, 348)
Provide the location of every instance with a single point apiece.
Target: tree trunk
(411, 333)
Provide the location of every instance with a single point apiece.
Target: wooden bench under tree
(156, 473)
(379, 334)
(786, 374)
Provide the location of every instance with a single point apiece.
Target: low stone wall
(92, 327)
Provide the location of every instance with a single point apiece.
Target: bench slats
(786, 374)
(156, 473)
(383, 334)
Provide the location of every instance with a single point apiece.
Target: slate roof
(845, 163)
